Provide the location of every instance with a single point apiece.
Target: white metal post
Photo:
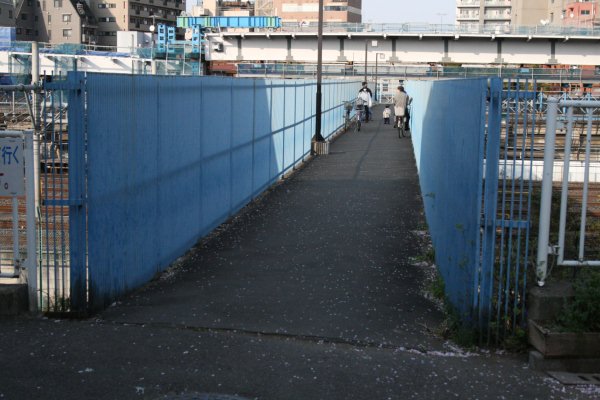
(565, 187)
(15, 234)
(546, 200)
(35, 79)
(30, 189)
(586, 183)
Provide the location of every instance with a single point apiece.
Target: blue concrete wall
(448, 125)
(170, 158)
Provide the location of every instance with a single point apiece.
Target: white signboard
(12, 171)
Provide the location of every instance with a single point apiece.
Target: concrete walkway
(312, 292)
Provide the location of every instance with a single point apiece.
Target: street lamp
(152, 29)
(373, 44)
(318, 136)
(376, 64)
(441, 15)
(366, 47)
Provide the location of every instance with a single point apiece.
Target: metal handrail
(546, 200)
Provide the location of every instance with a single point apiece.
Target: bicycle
(400, 126)
(359, 116)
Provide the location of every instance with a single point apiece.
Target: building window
(37, 33)
(44, 5)
(335, 8)
(29, 32)
(18, 31)
(24, 17)
(49, 19)
(585, 12)
(49, 34)
(10, 14)
(35, 18)
(57, 3)
(66, 17)
(29, 3)
(67, 32)
(107, 19)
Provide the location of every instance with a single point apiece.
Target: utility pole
(318, 136)
(366, 46)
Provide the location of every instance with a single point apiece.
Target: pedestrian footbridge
(146, 168)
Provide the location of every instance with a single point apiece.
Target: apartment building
(299, 11)
(291, 11)
(576, 13)
(91, 21)
(55, 21)
(502, 13)
(228, 8)
(529, 12)
(499, 14)
(7, 10)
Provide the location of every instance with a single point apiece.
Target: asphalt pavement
(317, 290)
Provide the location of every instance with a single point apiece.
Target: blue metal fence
(167, 159)
(448, 121)
(479, 229)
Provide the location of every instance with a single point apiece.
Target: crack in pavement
(353, 343)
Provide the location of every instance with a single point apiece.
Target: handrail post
(546, 199)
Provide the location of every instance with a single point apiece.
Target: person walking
(367, 96)
(387, 113)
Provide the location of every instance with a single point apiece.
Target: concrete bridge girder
(406, 48)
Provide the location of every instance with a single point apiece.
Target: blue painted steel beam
(229, 22)
(513, 224)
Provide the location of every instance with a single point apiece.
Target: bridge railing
(180, 156)
(579, 243)
(418, 71)
(451, 29)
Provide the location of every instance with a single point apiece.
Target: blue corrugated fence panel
(310, 110)
(242, 141)
(277, 126)
(123, 201)
(178, 157)
(178, 165)
(299, 105)
(447, 150)
(289, 123)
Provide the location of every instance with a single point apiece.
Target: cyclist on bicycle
(365, 94)
(401, 101)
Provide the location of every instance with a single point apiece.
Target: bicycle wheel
(401, 128)
(358, 123)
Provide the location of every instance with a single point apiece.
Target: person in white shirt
(387, 113)
(365, 94)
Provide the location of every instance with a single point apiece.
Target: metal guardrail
(545, 208)
(450, 29)
(346, 27)
(419, 71)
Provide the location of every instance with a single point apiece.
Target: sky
(399, 11)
